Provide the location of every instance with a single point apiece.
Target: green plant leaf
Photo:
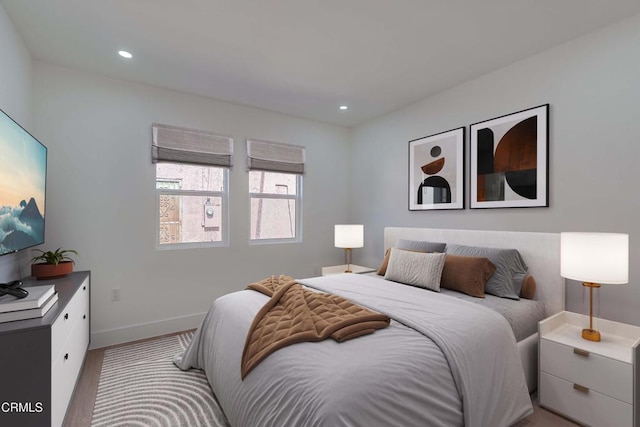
(54, 257)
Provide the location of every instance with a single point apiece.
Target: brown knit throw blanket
(295, 314)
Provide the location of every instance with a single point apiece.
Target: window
(191, 201)
(275, 191)
(275, 205)
(192, 174)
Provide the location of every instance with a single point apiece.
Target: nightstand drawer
(598, 373)
(588, 407)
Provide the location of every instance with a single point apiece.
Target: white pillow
(416, 268)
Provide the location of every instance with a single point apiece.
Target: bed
(541, 251)
(442, 361)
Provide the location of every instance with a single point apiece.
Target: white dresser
(594, 383)
(41, 358)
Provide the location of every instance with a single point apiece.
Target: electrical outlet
(115, 294)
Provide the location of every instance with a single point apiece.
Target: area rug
(140, 386)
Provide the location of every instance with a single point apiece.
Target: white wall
(593, 86)
(15, 100)
(100, 182)
(101, 200)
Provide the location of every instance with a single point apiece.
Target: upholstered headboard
(541, 251)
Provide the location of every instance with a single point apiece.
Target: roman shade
(183, 145)
(275, 157)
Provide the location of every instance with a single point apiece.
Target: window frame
(224, 221)
(298, 216)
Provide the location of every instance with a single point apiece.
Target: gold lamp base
(591, 335)
(348, 254)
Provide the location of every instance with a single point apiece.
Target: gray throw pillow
(416, 268)
(420, 246)
(506, 281)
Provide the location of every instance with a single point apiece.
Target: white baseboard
(140, 331)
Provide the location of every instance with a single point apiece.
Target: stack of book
(36, 304)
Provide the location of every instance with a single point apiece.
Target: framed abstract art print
(436, 171)
(509, 160)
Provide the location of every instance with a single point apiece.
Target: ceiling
(304, 57)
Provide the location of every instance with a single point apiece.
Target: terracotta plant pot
(51, 271)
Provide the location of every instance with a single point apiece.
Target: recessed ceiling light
(125, 54)
(343, 107)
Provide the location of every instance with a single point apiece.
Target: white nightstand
(594, 383)
(337, 269)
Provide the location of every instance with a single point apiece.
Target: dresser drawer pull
(581, 388)
(84, 288)
(580, 352)
(84, 316)
(66, 357)
(66, 316)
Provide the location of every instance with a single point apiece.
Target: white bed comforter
(441, 362)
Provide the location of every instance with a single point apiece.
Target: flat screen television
(23, 176)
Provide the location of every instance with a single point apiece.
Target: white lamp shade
(595, 257)
(349, 236)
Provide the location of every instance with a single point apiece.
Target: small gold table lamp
(594, 259)
(349, 236)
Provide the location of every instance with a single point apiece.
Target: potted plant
(53, 264)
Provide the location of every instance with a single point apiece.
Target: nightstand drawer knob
(580, 352)
(581, 388)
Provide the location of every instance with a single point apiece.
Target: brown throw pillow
(385, 263)
(466, 274)
(528, 290)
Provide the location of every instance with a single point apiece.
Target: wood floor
(81, 406)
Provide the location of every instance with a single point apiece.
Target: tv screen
(23, 171)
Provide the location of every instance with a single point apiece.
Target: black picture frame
(509, 160)
(437, 171)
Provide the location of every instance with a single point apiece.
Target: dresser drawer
(602, 374)
(66, 369)
(61, 329)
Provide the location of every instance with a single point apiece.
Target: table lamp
(594, 259)
(349, 236)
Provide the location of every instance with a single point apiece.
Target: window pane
(189, 219)
(189, 177)
(272, 183)
(273, 218)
